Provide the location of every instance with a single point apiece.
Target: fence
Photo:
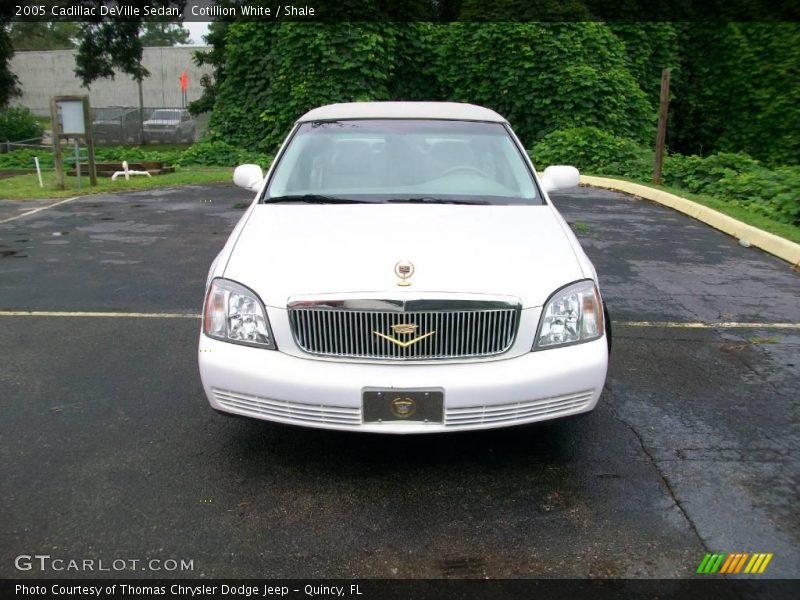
(117, 125)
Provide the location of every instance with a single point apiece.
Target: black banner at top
(276, 11)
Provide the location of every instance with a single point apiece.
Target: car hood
(305, 249)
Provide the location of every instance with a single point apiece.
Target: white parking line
(41, 208)
(720, 325)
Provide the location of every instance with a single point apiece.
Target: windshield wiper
(433, 200)
(312, 199)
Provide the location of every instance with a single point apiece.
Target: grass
(784, 230)
(26, 187)
(585, 229)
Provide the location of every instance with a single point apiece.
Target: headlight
(572, 315)
(235, 314)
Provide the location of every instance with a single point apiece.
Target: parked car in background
(403, 270)
(169, 125)
(115, 125)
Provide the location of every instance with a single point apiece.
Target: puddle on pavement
(12, 254)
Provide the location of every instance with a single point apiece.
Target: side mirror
(248, 177)
(559, 177)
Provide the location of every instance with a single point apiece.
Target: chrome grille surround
(463, 328)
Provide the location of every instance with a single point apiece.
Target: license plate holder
(399, 405)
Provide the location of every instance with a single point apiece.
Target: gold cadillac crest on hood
(404, 269)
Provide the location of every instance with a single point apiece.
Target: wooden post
(56, 133)
(661, 136)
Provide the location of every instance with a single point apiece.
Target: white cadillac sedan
(402, 270)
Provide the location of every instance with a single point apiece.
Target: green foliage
(739, 180)
(650, 47)
(544, 76)
(737, 90)
(733, 84)
(220, 154)
(108, 46)
(42, 35)
(18, 124)
(215, 58)
(275, 74)
(593, 151)
(9, 84)
(698, 174)
(735, 179)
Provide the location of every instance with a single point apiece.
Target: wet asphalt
(109, 450)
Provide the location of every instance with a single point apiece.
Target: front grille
(352, 333)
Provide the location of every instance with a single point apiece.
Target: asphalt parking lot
(109, 449)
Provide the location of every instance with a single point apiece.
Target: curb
(769, 242)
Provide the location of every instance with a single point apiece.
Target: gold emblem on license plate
(403, 407)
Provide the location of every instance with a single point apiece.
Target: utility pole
(661, 136)
(141, 112)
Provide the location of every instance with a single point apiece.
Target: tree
(109, 46)
(9, 84)
(40, 35)
(215, 57)
(159, 33)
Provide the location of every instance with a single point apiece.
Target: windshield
(165, 115)
(376, 160)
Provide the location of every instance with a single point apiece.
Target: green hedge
(733, 84)
(594, 151)
(545, 76)
(736, 179)
(541, 76)
(741, 181)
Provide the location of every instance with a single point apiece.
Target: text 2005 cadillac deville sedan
(402, 270)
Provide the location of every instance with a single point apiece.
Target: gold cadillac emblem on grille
(403, 407)
(404, 329)
(404, 270)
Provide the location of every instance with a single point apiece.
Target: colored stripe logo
(734, 562)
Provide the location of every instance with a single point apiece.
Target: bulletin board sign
(71, 119)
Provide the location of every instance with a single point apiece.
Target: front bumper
(274, 386)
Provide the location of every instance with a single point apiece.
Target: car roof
(455, 111)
